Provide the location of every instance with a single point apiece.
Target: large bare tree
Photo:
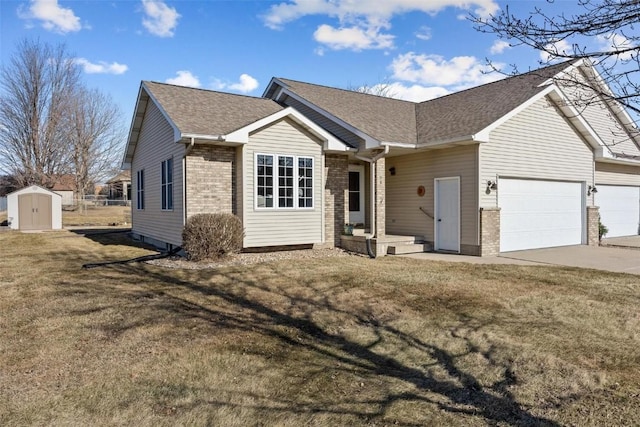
(35, 92)
(50, 123)
(604, 31)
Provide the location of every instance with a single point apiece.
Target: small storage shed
(34, 208)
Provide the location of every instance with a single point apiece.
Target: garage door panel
(539, 214)
(619, 209)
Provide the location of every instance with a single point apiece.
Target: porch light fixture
(492, 185)
(392, 170)
(591, 190)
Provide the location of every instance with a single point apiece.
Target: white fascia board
(462, 140)
(134, 133)
(618, 161)
(330, 142)
(370, 142)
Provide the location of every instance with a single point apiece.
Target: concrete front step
(408, 248)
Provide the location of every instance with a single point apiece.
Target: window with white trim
(287, 178)
(167, 184)
(140, 189)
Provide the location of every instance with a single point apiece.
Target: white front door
(356, 194)
(447, 214)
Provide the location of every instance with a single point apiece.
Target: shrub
(602, 230)
(212, 236)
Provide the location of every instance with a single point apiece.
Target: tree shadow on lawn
(291, 323)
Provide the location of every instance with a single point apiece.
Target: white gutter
(372, 176)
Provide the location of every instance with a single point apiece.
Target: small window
(167, 184)
(140, 189)
(305, 182)
(285, 181)
(264, 174)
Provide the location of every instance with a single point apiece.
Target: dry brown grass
(339, 341)
(97, 215)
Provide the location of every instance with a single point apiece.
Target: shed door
(619, 209)
(540, 214)
(34, 211)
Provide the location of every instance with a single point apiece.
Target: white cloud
(101, 67)
(362, 20)
(53, 16)
(246, 84)
(499, 46)
(458, 72)
(353, 38)
(561, 47)
(415, 93)
(616, 42)
(160, 20)
(424, 33)
(282, 13)
(184, 78)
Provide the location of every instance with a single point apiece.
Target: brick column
(489, 231)
(593, 229)
(380, 198)
(210, 180)
(336, 188)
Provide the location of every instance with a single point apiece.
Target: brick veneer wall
(336, 187)
(593, 229)
(211, 180)
(489, 231)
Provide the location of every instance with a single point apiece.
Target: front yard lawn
(333, 341)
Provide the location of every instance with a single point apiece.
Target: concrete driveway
(619, 260)
(615, 259)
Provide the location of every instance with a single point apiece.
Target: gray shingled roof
(384, 119)
(207, 112)
(468, 112)
(452, 116)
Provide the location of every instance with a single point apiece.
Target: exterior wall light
(591, 190)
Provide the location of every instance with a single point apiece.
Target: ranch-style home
(517, 164)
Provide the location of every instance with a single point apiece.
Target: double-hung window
(287, 179)
(140, 189)
(167, 184)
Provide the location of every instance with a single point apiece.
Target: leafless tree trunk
(605, 32)
(384, 89)
(95, 137)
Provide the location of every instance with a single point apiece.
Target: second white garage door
(540, 214)
(619, 209)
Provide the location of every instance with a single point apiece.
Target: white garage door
(540, 214)
(619, 209)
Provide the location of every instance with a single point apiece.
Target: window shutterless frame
(140, 189)
(167, 184)
(283, 182)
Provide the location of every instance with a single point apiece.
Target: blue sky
(422, 48)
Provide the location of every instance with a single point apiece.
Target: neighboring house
(505, 166)
(119, 187)
(65, 186)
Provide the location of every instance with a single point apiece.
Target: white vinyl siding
(155, 145)
(403, 214)
(601, 119)
(609, 173)
(536, 143)
(282, 226)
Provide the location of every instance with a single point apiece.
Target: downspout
(372, 177)
(184, 179)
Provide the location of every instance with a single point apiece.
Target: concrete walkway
(612, 259)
